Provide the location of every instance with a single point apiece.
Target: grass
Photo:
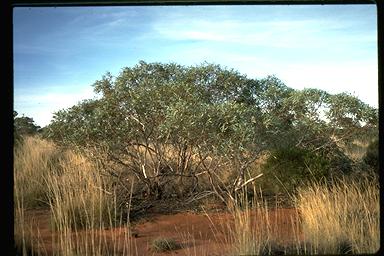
(81, 202)
(83, 206)
(255, 230)
(34, 160)
(341, 216)
(24, 239)
(357, 148)
(249, 237)
(79, 193)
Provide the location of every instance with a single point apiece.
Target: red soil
(199, 234)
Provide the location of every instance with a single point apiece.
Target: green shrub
(23, 126)
(287, 168)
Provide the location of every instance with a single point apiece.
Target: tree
(166, 124)
(23, 126)
(165, 120)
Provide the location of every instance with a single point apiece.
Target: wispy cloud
(312, 33)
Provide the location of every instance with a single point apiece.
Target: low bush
(287, 168)
(164, 244)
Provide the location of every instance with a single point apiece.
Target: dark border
(181, 2)
(6, 128)
(380, 54)
(6, 94)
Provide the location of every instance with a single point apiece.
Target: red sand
(198, 234)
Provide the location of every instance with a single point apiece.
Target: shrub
(164, 244)
(287, 168)
(23, 126)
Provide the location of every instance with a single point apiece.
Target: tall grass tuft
(83, 205)
(250, 232)
(81, 202)
(341, 217)
(79, 194)
(34, 159)
(338, 217)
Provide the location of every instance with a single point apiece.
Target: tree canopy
(157, 118)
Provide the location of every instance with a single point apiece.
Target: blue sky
(60, 52)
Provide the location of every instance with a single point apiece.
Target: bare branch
(248, 181)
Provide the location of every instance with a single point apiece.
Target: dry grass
(342, 216)
(356, 149)
(79, 193)
(82, 206)
(34, 160)
(336, 218)
(255, 229)
(81, 202)
(26, 241)
(250, 237)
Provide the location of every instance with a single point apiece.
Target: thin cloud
(309, 33)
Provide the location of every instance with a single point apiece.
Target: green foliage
(23, 126)
(154, 117)
(166, 108)
(287, 168)
(347, 111)
(166, 103)
(371, 157)
(76, 124)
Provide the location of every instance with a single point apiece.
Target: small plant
(164, 244)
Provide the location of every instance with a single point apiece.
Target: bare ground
(198, 234)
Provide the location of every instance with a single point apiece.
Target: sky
(60, 52)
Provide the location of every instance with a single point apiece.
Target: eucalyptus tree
(168, 124)
(165, 120)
